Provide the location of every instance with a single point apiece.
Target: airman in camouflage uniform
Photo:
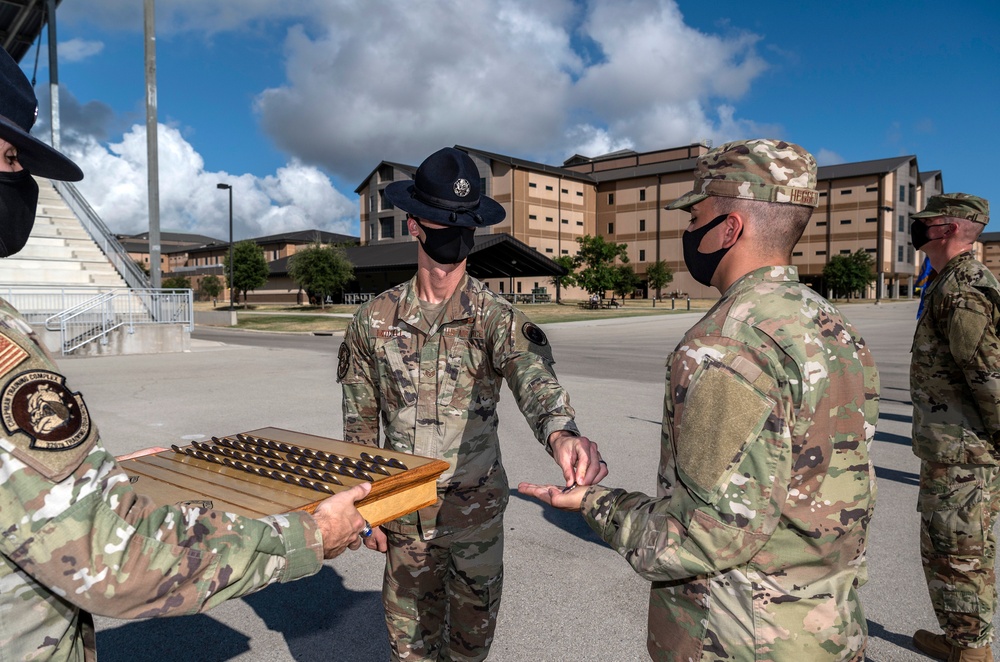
(429, 357)
(75, 539)
(955, 388)
(755, 544)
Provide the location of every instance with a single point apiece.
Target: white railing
(86, 314)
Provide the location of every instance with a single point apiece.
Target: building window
(388, 228)
(565, 221)
(820, 252)
(846, 191)
(845, 221)
(899, 253)
(403, 229)
(611, 198)
(871, 189)
(580, 193)
(845, 251)
(902, 223)
(518, 287)
(532, 185)
(371, 202)
(642, 194)
(820, 223)
(580, 223)
(870, 250)
(822, 194)
(548, 250)
(548, 219)
(565, 190)
(565, 252)
(548, 188)
(642, 255)
(902, 193)
(501, 287)
(611, 228)
(871, 220)
(909, 255)
(532, 217)
(371, 232)
(642, 225)
(384, 202)
(797, 254)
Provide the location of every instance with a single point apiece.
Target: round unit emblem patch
(38, 404)
(343, 360)
(462, 187)
(531, 331)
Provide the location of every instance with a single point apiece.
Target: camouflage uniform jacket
(955, 367)
(437, 391)
(76, 540)
(756, 544)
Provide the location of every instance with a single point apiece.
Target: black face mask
(448, 245)
(919, 233)
(702, 266)
(18, 202)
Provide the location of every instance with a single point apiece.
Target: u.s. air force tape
(343, 360)
(38, 404)
(531, 331)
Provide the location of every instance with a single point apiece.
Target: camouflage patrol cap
(759, 169)
(957, 205)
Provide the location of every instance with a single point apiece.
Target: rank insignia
(38, 404)
(534, 334)
(343, 360)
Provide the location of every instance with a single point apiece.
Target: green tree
(658, 274)
(321, 270)
(849, 274)
(143, 266)
(250, 269)
(625, 281)
(569, 280)
(210, 287)
(595, 263)
(176, 283)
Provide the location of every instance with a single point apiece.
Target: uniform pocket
(953, 511)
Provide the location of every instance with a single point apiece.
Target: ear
(733, 229)
(411, 225)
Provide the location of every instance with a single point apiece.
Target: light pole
(228, 187)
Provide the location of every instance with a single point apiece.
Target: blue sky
(295, 102)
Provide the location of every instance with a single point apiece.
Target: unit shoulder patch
(343, 360)
(534, 334)
(37, 404)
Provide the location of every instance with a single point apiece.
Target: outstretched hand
(339, 520)
(563, 498)
(578, 458)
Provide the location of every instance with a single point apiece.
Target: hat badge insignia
(462, 187)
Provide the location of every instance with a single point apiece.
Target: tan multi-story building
(621, 197)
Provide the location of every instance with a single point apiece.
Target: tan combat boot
(940, 648)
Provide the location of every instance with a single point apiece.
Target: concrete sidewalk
(567, 596)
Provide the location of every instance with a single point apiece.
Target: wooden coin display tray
(270, 471)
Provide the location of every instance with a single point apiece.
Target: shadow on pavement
(572, 523)
(903, 640)
(905, 477)
(318, 617)
(899, 418)
(891, 438)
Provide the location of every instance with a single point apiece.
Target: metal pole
(50, 11)
(152, 160)
(232, 273)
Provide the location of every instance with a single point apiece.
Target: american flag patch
(11, 354)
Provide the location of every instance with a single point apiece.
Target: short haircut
(779, 226)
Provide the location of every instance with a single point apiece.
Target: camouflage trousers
(441, 596)
(958, 507)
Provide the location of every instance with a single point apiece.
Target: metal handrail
(102, 236)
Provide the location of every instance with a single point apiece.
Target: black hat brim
(38, 158)
(401, 194)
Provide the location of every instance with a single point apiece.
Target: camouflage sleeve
(974, 344)
(358, 376)
(730, 465)
(522, 354)
(89, 538)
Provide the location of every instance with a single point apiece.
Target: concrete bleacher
(60, 253)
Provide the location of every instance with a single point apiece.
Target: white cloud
(296, 197)
(825, 157)
(76, 50)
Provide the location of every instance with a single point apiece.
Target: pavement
(566, 596)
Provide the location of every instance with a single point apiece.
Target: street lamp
(228, 187)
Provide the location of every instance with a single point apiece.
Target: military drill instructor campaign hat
(759, 169)
(445, 190)
(957, 205)
(18, 111)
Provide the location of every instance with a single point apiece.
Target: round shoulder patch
(534, 334)
(38, 404)
(343, 360)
